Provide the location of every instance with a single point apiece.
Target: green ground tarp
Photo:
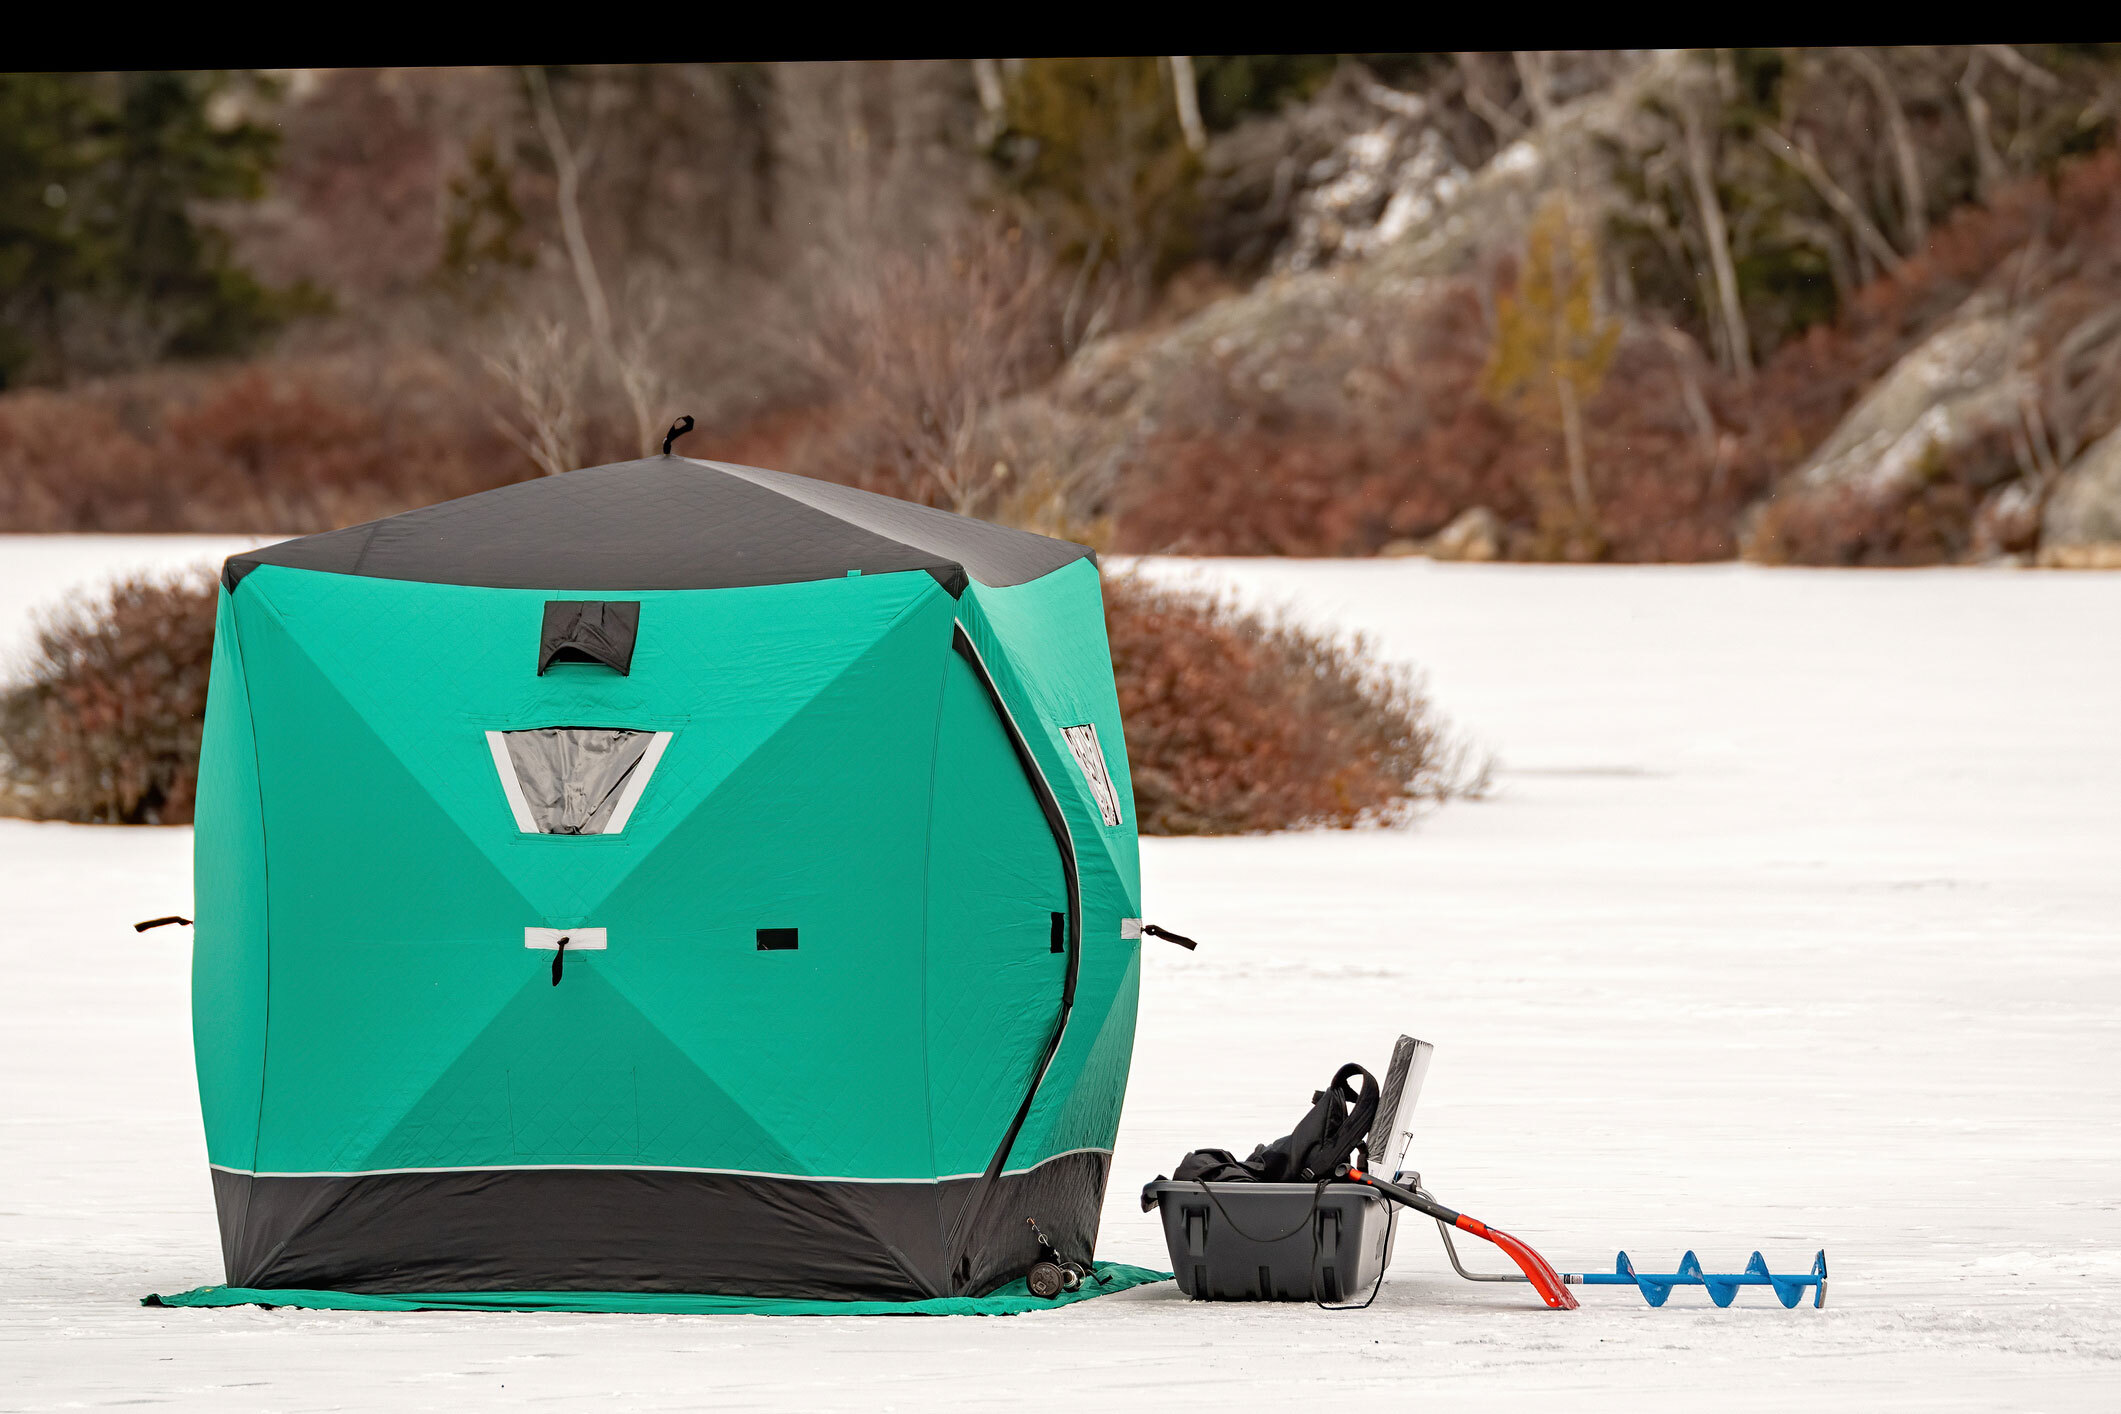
(1011, 1300)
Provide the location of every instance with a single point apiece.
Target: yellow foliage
(1552, 350)
(1548, 329)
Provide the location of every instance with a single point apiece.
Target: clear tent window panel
(1082, 742)
(575, 780)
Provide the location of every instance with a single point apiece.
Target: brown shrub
(296, 447)
(105, 729)
(1239, 723)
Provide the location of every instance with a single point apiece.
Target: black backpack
(1340, 1118)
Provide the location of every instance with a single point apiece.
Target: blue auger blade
(1653, 1290)
(1722, 1287)
(1787, 1291)
(1790, 1290)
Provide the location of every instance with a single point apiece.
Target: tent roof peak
(669, 522)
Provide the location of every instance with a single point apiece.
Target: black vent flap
(589, 631)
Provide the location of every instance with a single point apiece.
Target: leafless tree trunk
(567, 168)
(1187, 90)
(1809, 166)
(1572, 446)
(1988, 165)
(993, 99)
(1532, 76)
(2023, 67)
(1914, 203)
(1701, 172)
(1827, 239)
(1685, 353)
(1499, 119)
(539, 365)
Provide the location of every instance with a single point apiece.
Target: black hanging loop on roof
(1151, 930)
(677, 430)
(160, 922)
(559, 959)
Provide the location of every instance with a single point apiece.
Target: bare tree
(920, 344)
(1186, 89)
(1500, 120)
(539, 364)
(1914, 202)
(1809, 166)
(629, 367)
(1701, 172)
(1988, 163)
(993, 99)
(1532, 78)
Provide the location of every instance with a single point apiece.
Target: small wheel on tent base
(1071, 1277)
(1045, 1280)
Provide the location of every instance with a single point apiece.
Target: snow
(1792, 924)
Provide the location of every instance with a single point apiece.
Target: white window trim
(497, 743)
(636, 783)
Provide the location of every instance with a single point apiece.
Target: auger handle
(1537, 1270)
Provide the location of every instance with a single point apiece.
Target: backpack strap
(1350, 1116)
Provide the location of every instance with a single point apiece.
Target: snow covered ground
(1795, 922)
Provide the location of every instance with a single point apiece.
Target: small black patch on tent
(589, 631)
(776, 940)
(1059, 939)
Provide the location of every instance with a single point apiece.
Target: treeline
(1608, 304)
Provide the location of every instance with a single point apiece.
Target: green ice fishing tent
(666, 877)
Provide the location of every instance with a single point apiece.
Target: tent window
(575, 780)
(1082, 741)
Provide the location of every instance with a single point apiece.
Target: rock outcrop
(2081, 528)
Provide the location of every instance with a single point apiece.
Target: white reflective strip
(636, 783)
(505, 764)
(1129, 928)
(636, 1168)
(578, 939)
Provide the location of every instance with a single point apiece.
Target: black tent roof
(669, 522)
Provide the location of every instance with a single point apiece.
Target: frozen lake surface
(1795, 922)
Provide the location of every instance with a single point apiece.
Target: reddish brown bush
(105, 728)
(304, 446)
(1238, 723)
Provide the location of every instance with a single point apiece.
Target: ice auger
(1552, 1286)
(1788, 1290)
